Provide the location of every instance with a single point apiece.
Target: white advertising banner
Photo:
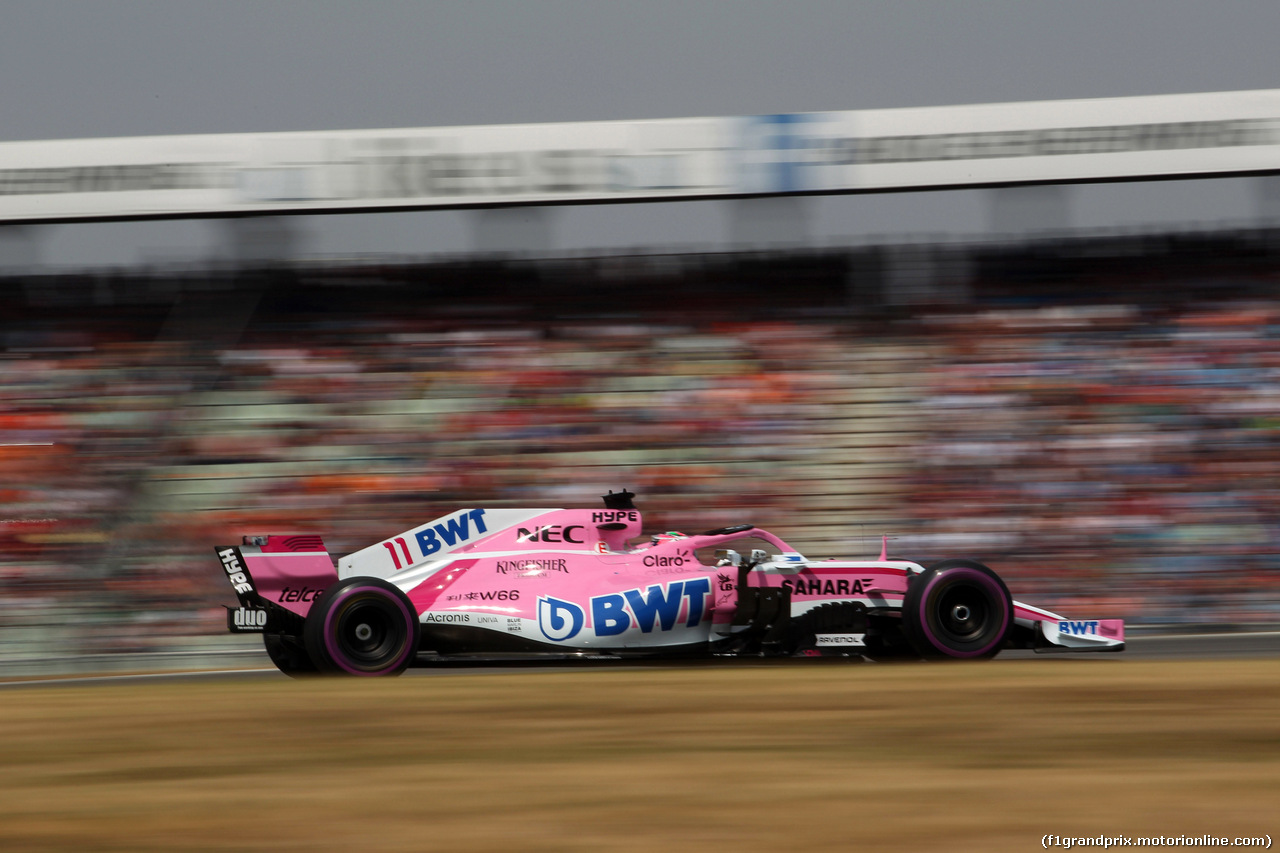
(151, 177)
(1168, 136)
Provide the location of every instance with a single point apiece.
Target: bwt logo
(449, 532)
(559, 620)
(1078, 628)
(657, 606)
(612, 614)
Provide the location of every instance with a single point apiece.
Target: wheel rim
(964, 613)
(368, 633)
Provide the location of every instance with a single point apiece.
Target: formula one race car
(557, 584)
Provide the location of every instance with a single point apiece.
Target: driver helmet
(669, 536)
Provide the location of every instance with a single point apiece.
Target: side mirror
(728, 558)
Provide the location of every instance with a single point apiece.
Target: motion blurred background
(1076, 385)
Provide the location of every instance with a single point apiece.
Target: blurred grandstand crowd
(1096, 418)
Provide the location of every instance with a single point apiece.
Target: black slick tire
(289, 656)
(957, 609)
(362, 626)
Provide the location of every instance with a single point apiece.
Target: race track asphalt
(1165, 646)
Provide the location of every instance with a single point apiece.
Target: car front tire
(957, 609)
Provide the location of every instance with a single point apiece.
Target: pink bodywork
(294, 579)
(553, 576)
(527, 570)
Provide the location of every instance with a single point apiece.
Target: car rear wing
(276, 579)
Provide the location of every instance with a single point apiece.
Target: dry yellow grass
(815, 758)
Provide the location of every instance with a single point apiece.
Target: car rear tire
(288, 655)
(362, 626)
(957, 609)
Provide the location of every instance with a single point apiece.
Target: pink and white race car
(572, 584)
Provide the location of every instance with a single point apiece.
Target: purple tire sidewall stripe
(337, 657)
(970, 574)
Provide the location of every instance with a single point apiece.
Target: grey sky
(138, 67)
